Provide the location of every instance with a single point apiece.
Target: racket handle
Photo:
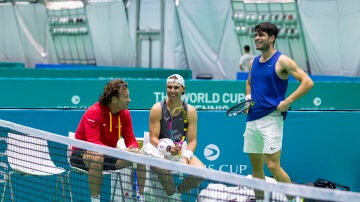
(179, 145)
(135, 187)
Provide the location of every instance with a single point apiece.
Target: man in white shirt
(245, 59)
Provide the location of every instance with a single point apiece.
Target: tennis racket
(176, 136)
(135, 187)
(240, 108)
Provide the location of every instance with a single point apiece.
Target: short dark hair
(268, 28)
(112, 89)
(247, 48)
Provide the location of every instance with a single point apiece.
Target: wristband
(187, 154)
(248, 97)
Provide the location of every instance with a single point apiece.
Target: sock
(95, 198)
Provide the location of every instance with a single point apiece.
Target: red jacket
(95, 126)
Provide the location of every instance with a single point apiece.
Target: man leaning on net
(104, 123)
(169, 130)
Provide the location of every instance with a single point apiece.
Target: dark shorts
(76, 160)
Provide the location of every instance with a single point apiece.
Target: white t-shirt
(244, 61)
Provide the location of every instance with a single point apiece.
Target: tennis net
(35, 167)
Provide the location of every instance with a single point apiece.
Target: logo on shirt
(90, 120)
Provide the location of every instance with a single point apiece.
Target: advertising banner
(203, 94)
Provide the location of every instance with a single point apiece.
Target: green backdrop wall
(203, 94)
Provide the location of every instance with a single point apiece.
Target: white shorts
(264, 135)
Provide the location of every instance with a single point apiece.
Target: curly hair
(268, 28)
(112, 88)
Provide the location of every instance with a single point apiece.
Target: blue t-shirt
(267, 89)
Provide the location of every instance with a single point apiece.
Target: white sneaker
(175, 197)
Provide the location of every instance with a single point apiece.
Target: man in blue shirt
(266, 86)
